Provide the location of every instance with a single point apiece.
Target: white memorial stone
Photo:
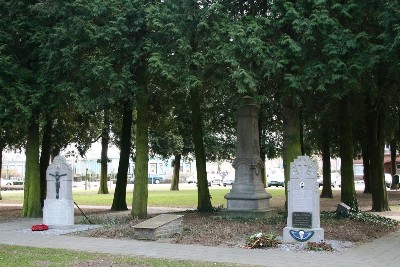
(58, 210)
(303, 222)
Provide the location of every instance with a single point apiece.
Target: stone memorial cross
(58, 210)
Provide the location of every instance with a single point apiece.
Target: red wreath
(40, 227)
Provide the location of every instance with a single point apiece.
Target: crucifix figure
(57, 176)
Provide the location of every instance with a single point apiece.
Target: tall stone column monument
(58, 210)
(248, 192)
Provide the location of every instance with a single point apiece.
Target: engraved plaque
(302, 219)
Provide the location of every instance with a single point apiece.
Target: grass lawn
(158, 197)
(16, 256)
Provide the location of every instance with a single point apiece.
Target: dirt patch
(9, 213)
(211, 229)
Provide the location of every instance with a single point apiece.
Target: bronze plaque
(302, 219)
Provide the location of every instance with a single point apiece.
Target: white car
(5, 182)
(336, 180)
(276, 177)
(388, 180)
(214, 178)
(191, 179)
(229, 179)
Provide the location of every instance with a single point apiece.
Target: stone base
(318, 235)
(236, 203)
(247, 214)
(247, 204)
(58, 213)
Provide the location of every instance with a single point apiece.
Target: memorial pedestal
(58, 213)
(248, 192)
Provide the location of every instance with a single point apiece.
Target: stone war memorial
(248, 193)
(303, 219)
(58, 210)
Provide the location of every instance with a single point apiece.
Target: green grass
(17, 256)
(160, 198)
(15, 197)
(157, 197)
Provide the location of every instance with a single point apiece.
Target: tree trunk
(326, 163)
(103, 189)
(219, 164)
(262, 153)
(119, 201)
(204, 198)
(263, 171)
(367, 169)
(175, 175)
(32, 207)
(291, 136)
(302, 149)
(365, 150)
(348, 192)
(54, 152)
(140, 191)
(45, 156)
(1, 164)
(376, 145)
(393, 156)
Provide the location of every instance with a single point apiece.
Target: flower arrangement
(261, 240)
(321, 246)
(40, 227)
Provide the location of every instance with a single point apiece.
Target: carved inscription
(56, 213)
(303, 200)
(302, 219)
(303, 168)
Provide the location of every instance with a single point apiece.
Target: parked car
(155, 179)
(229, 179)
(214, 178)
(211, 179)
(388, 180)
(131, 178)
(5, 182)
(276, 184)
(191, 179)
(336, 180)
(276, 177)
(151, 179)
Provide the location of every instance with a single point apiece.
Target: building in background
(13, 167)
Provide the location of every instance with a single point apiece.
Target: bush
(364, 217)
